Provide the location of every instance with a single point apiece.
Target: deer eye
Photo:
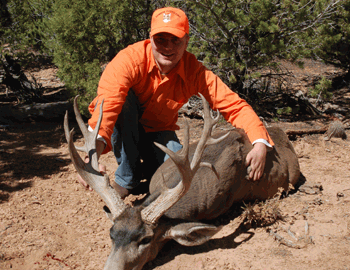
(146, 240)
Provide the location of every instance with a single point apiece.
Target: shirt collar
(152, 63)
(181, 68)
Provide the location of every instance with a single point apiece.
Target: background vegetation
(237, 39)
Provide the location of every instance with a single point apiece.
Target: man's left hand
(256, 159)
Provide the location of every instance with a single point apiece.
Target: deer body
(182, 193)
(209, 196)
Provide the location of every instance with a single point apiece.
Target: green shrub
(332, 38)
(237, 39)
(321, 90)
(88, 34)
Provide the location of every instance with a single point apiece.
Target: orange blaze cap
(170, 20)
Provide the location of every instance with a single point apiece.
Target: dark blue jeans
(131, 144)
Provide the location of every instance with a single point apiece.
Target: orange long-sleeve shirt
(135, 68)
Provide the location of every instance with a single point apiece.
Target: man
(143, 88)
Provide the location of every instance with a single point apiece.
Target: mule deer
(183, 192)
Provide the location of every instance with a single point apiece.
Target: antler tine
(89, 137)
(90, 172)
(169, 197)
(182, 156)
(206, 139)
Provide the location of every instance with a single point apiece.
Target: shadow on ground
(25, 154)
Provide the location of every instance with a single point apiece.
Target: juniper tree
(88, 34)
(23, 32)
(333, 38)
(25, 27)
(236, 39)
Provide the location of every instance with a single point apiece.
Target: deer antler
(90, 171)
(168, 198)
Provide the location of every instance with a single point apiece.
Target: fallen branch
(306, 131)
(299, 243)
(37, 111)
(285, 242)
(336, 129)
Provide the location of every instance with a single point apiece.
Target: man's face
(168, 50)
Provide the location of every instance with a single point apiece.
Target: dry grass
(264, 213)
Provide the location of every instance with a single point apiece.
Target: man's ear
(187, 40)
(192, 233)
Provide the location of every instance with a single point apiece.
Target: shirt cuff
(262, 141)
(99, 137)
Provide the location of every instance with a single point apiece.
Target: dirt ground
(49, 221)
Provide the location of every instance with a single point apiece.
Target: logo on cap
(166, 17)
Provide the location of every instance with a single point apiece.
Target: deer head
(139, 232)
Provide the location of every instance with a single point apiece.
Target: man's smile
(167, 55)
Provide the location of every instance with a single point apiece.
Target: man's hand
(256, 158)
(100, 146)
(102, 169)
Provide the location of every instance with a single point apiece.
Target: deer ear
(192, 233)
